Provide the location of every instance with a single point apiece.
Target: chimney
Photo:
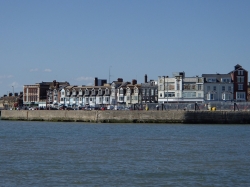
(237, 66)
(96, 81)
(120, 80)
(54, 82)
(145, 78)
(57, 85)
(134, 82)
(10, 94)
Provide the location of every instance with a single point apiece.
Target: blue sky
(78, 40)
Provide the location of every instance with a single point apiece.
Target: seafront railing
(219, 106)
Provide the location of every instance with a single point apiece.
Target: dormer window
(107, 91)
(80, 92)
(86, 92)
(211, 80)
(93, 92)
(74, 92)
(226, 80)
(68, 92)
(62, 93)
(100, 92)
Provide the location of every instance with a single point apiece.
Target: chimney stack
(134, 82)
(145, 78)
(120, 80)
(96, 81)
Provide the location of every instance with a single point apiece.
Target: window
(229, 88)
(90, 99)
(240, 86)
(143, 92)
(240, 79)
(161, 87)
(189, 94)
(152, 91)
(121, 98)
(225, 80)
(160, 94)
(208, 88)
(223, 88)
(147, 92)
(178, 86)
(62, 93)
(87, 100)
(210, 96)
(240, 72)
(169, 94)
(80, 99)
(240, 95)
(211, 80)
(80, 92)
(100, 99)
(107, 99)
(106, 91)
(214, 88)
(199, 95)
(128, 98)
(61, 99)
(199, 87)
(226, 96)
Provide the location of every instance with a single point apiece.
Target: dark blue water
(78, 154)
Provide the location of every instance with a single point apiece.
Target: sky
(75, 41)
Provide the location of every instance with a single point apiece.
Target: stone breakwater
(111, 116)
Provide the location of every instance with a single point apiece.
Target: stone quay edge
(112, 116)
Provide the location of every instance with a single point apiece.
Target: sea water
(81, 154)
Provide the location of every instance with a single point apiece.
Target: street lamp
(167, 90)
(178, 88)
(109, 73)
(13, 91)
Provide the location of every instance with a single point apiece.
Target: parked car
(103, 108)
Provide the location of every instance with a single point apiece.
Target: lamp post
(178, 88)
(167, 91)
(109, 73)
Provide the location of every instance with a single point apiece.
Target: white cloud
(48, 70)
(32, 70)
(6, 76)
(84, 78)
(89, 84)
(15, 84)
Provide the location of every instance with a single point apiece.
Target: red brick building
(240, 79)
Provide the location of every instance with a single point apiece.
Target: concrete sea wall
(111, 116)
